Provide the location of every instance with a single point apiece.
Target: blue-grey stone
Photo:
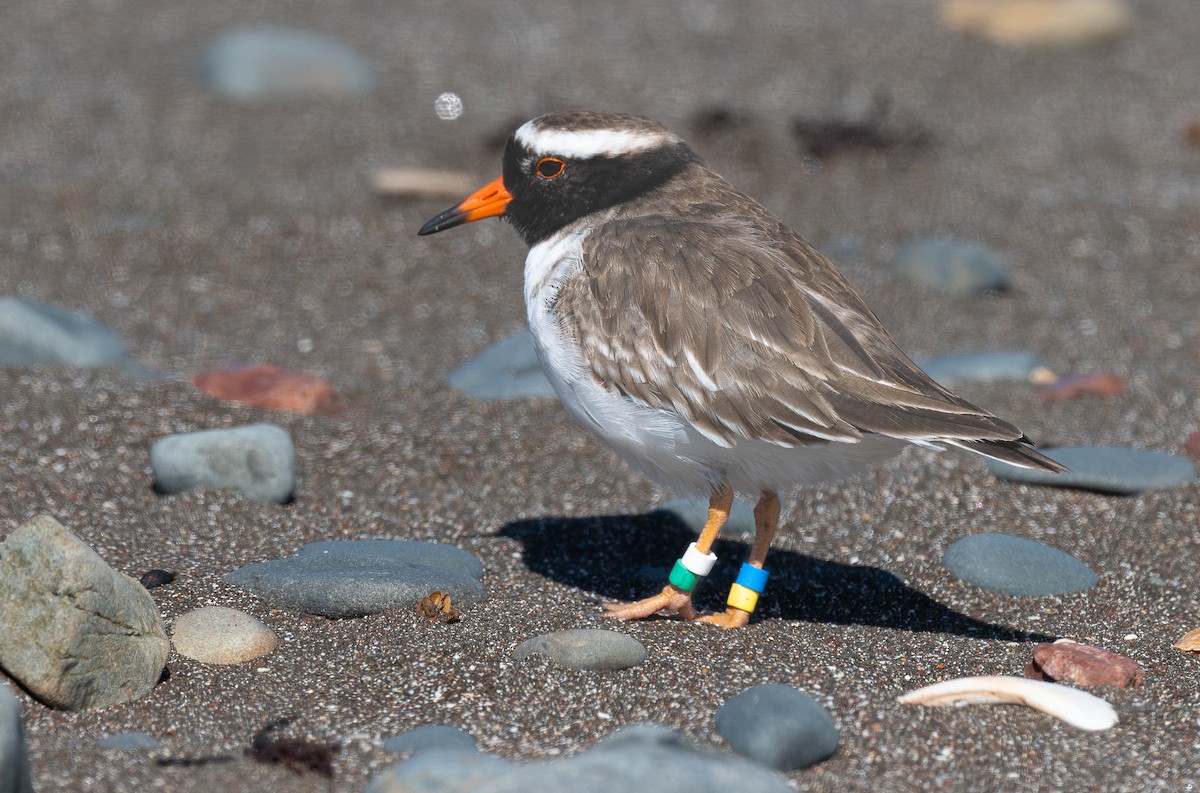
(953, 267)
(430, 736)
(128, 740)
(636, 759)
(262, 63)
(33, 334)
(585, 648)
(1016, 566)
(1106, 469)
(15, 773)
(693, 513)
(778, 726)
(985, 365)
(350, 578)
(509, 369)
(440, 771)
(256, 459)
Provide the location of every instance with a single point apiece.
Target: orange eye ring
(549, 168)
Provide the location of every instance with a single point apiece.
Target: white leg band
(700, 564)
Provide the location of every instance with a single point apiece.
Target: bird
(707, 344)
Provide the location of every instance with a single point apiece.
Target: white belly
(660, 443)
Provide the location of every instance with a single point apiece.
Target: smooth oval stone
(430, 736)
(953, 267)
(16, 776)
(585, 648)
(33, 333)
(509, 369)
(1106, 469)
(778, 726)
(220, 635)
(982, 366)
(440, 771)
(257, 460)
(1016, 566)
(265, 63)
(128, 740)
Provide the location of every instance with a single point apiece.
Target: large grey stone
(77, 634)
(1106, 469)
(985, 365)
(1016, 566)
(585, 648)
(430, 736)
(350, 578)
(440, 771)
(509, 369)
(256, 459)
(15, 773)
(778, 726)
(953, 267)
(33, 333)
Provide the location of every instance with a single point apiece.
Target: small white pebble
(1131, 637)
(305, 345)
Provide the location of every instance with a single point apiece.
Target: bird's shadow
(626, 557)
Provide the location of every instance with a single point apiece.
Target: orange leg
(766, 521)
(672, 598)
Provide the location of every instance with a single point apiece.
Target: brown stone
(1071, 386)
(1082, 664)
(268, 386)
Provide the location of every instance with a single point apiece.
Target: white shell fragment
(1077, 708)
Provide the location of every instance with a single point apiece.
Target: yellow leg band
(742, 598)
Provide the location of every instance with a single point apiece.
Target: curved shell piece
(1077, 708)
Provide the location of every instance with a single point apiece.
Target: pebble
(265, 385)
(635, 758)
(952, 267)
(266, 63)
(152, 579)
(1016, 566)
(693, 513)
(77, 634)
(16, 776)
(430, 736)
(1072, 386)
(585, 648)
(509, 369)
(128, 740)
(256, 459)
(351, 578)
(33, 334)
(964, 367)
(1106, 469)
(778, 726)
(422, 183)
(1038, 23)
(220, 635)
(1083, 665)
(1192, 445)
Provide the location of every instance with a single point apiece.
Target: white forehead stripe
(581, 144)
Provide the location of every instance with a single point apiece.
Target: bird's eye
(549, 167)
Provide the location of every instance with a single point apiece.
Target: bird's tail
(1020, 453)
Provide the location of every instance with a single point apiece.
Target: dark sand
(205, 232)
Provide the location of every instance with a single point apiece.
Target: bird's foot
(729, 618)
(670, 599)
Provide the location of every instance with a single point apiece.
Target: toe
(730, 618)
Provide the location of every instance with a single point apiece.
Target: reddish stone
(1071, 386)
(1192, 445)
(268, 386)
(1083, 665)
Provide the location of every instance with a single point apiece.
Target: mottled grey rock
(509, 369)
(350, 578)
(585, 648)
(440, 771)
(77, 634)
(430, 736)
(1016, 566)
(262, 63)
(636, 759)
(1106, 469)
(693, 513)
(256, 459)
(15, 773)
(128, 741)
(778, 726)
(220, 635)
(985, 365)
(956, 268)
(33, 333)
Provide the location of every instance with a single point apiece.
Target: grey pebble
(1016, 566)
(1106, 469)
(34, 334)
(985, 365)
(77, 634)
(256, 459)
(778, 726)
(509, 369)
(430, 736)
(351, 578)
(693, 513)
(440, 771)
(128, 740)
(585, 648)
(220, 635)
(16, 776)
(635, 759)
(952, 267)
(264, 63)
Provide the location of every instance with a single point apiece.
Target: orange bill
(488, 201)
